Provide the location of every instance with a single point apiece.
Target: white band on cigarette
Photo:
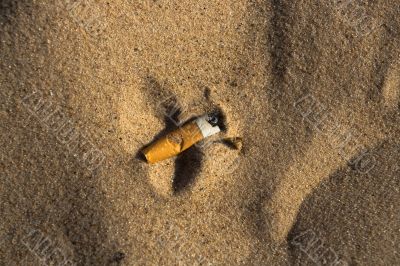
(206, 128)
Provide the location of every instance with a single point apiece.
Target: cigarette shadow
(187, 167)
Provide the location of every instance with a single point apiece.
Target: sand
(311, 87)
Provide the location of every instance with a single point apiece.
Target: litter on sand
(182, 138)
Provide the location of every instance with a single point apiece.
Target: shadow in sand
(83, 220)
(187, 167)
(7, 10)
(71, 204)
(351, 214)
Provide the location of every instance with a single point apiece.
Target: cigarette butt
(181, 139)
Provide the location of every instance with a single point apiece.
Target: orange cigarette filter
(181, 139)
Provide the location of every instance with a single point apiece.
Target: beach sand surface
(312, 89)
